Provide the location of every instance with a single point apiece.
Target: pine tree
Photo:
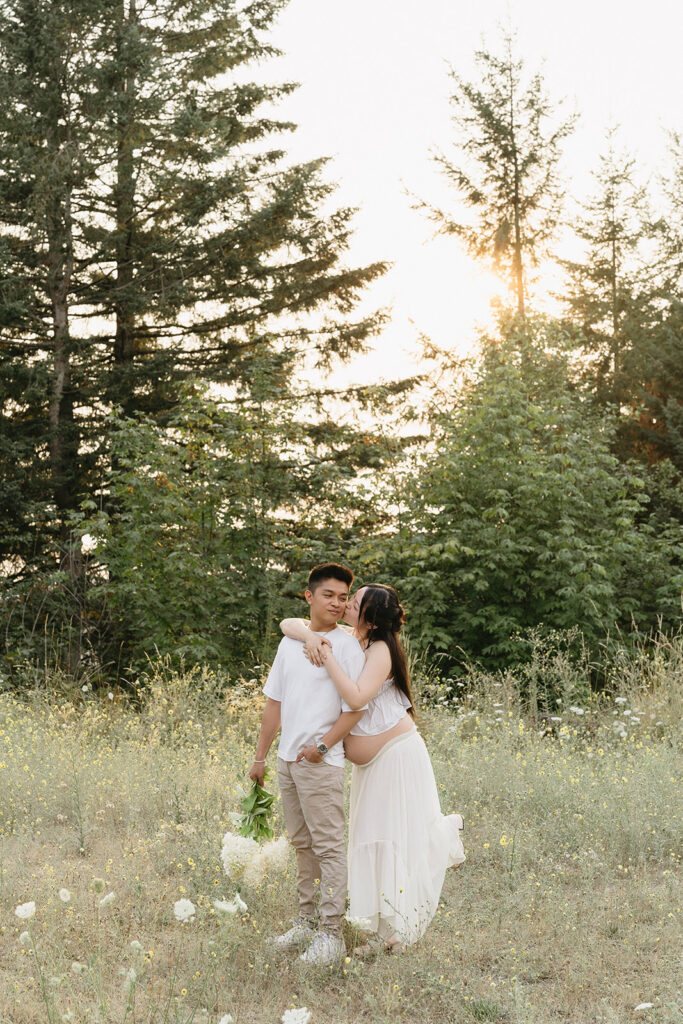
(510, 179)
(151, 231)
(609, 292)
(626, 297)
(658, 430)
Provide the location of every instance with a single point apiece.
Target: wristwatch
(322, 748)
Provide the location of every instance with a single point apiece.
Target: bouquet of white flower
(246, 858)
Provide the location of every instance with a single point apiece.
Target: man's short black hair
(329, 571)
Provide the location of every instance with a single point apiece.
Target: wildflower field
(116, 906)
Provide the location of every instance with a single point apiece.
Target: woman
(400, 844)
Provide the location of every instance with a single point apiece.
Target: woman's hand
(311, 754)
(314, 649)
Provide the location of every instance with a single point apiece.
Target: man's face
(328, 602)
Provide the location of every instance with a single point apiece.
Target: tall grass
(566, 909)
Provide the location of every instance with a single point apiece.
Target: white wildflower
(644, 1006)
(576, 710)
(110, 695)
(25, 938)
(64, 895)
(621, 700)
(78, 968)
(129, 980)
(227, 1018)
(225, 906)
(136, 946)
(109, 898)
(184, 910)
(26, 911)
(236, 854)
(298, 1016)
(234, 906)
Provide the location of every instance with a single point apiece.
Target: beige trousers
(313, 808)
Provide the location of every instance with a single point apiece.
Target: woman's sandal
(367, 950)
(394, 944)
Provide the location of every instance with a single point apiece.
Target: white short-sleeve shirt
(309, 699)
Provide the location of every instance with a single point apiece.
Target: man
(302, 699)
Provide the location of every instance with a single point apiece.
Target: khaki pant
(313, 807)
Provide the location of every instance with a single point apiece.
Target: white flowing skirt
(400, 844)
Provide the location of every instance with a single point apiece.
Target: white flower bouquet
(246, 857)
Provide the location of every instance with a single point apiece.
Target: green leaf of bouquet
(249, 802)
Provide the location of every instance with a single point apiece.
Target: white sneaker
(325, 949)
(297, 936)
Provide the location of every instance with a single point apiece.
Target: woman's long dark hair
(383, 614)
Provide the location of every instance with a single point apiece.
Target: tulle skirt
(400, 844)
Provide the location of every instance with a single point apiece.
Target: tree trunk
(63, 436)
(63, 446)
(615, 311)
(124, 338)
(517, 263)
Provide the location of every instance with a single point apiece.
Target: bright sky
(374, 97)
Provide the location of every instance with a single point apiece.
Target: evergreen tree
(216, 518)
(46, 160)
(657, 430)
(521, 516)
(151, 231)
(609, 292)
(505, 127)
(625, 295)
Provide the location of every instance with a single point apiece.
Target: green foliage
(607, 293)
(200, 548)
(626, 296)
(152, 231)
(508, 150)
(254, 821)
(523, 517)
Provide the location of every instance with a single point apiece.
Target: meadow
(567, 909)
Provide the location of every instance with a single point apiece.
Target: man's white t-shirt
(309, 699)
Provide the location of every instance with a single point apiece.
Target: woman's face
(352, 608)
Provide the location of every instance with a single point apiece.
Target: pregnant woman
(400, 844)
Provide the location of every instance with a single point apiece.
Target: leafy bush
(522, 516)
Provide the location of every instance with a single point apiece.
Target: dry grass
(566, 909)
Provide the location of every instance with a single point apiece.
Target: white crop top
(385, 710)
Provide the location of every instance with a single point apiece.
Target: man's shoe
(325, 949)
(295, 938)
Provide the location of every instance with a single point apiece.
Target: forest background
(176, 291)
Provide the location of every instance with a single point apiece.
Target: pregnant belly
(361, 749)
